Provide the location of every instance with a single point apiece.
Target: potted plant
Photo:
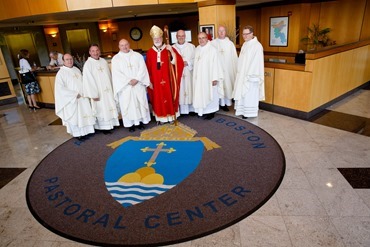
(317, 37)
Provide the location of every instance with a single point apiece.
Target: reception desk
(328, 75)
(46, 81)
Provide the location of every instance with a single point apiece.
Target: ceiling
(94, 15)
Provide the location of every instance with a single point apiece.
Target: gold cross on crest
(156, 152)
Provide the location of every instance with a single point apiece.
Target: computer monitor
(187, 34)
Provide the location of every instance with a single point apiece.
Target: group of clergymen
(173, 80)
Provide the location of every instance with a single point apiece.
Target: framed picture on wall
(209, 30)
(279, 30)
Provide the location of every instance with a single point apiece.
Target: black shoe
(80, 138)
(209, 116)
(107, 132)
(141, 126)
(224, 108)
(31, 108)
(192, 114)
(132, 128)
(244, 117)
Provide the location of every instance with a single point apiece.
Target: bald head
(221, 32)
(124, 46)
(181, 37)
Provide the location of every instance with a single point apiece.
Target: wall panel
(269, 85)
(16, 9)
(365, 30)
(117, 3)
(38, 7)
(292, 89)
(88, 4)
(345, 18)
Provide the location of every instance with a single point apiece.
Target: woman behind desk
(31, 87)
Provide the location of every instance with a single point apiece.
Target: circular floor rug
(164, 185)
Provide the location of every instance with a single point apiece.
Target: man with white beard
(228, 60)
(130, 79)
(97, 85)
(165, 67)
(207, 78)
(187, 51)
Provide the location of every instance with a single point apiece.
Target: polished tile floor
(314, 206)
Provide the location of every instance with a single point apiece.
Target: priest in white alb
(207, 79)
(97, 85)
(229, 60)
(249, 86)
(130, 80)
(70, 104)
(186, 51)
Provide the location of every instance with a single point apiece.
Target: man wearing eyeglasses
(249, 85)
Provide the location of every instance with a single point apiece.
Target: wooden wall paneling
(342, 79)
(174, 1)
(119, 3)
(88, 4)
(304, 23)
(365, 30)
(17, 8)
(269, 85)
(249, 17)
(294, 27)
(206, 15)
(366, 63)
(345, 18)
(226, 16)
(337, 74)
(264, 37)
(292, 89)
(3, 68)
(3, 11)
(38, 7)
(361, 69)
(323, 80)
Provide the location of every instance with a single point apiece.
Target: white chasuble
(133, 100)
(76, 114)
(229, 60)
(206, 70)
(187, 51)
(97, 83)
(249, 85)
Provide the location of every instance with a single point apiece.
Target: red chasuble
(166, 85)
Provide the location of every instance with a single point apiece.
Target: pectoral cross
(222, 52)
(162, 82)
(75, 76)
(198, 58)
(130, 66)
(156, 152)
(100, 69)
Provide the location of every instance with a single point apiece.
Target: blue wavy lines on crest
(128, 194)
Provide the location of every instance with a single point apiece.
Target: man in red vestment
(165, 66)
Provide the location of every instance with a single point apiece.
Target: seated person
(56, 60)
